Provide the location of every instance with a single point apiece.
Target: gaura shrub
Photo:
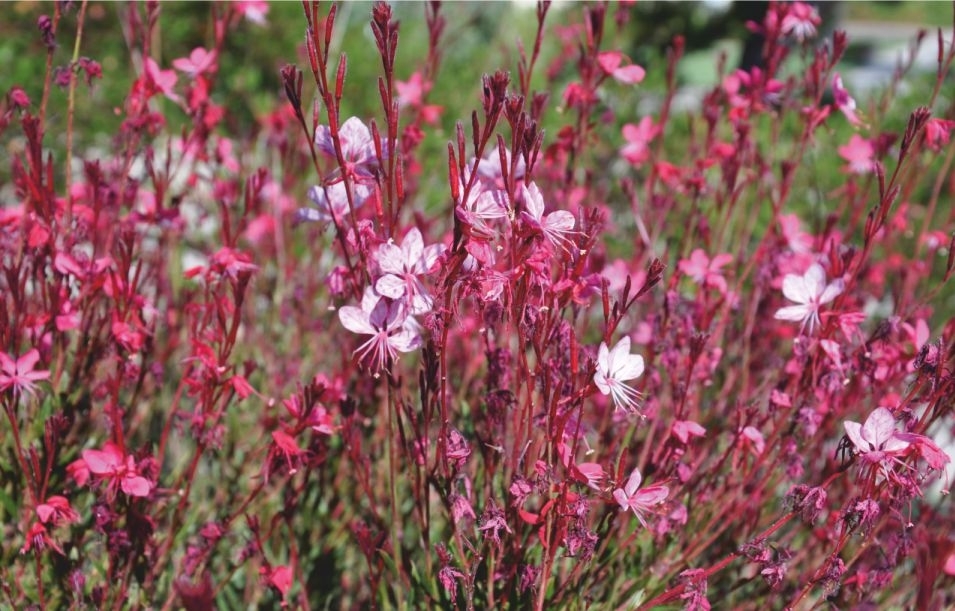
(549, 352)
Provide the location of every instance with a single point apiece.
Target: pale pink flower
(358, 148)
(684, 429)
(412, 93)
(489, 170)
(844, 102)
(800, 21)
(120, 470)
(705, 271)
(614, 367)
(199, 61)
(555, 226)
(798, 240)
(859, 155)
(640, 501)
(810, 292)
(638, 137)
(876, 440)
(610, 62)
(253, 10)
(20, 374)
(401, 268)
(938, 133)
(331, 202)
(386, 321)
(162, 80)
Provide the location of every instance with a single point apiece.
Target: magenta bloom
(640, 501)
(119, 469)
(19, 375)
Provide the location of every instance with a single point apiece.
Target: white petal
(854, 430)
(815, 280)
(560, 221)
(878, 427)
(355, 320)
(391, 286)
(627, 367)
(794, 313)
(412, 246)
(633, 482)
(794, 289)
(391, 259)
(833, 290)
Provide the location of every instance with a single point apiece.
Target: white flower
(810, 291)
(876, 439)
(554, 226)
(614, 367)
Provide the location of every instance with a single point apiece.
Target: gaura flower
(401, 267)
(388, 324)
(555, 226)
(614, 367)
(640, 501)
(876, 440)
(20, 374)
(810, 292)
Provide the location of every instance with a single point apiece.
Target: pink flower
(401, 268)
(798, 240)
(489, 169)
(554, 226)
(253, 10)
(876, 440)
(331, 202)
(938, 132)
(120, 470)
(638, 137)
(412, 93)
(162, 80)
(640, 501)
(610, 63)
(19, 375)
(389, 326)
(55, 510)
(705, 271)
(684, 429)
(199, 61)
(844, 101)
(800, 21)
(859, 155)
(810, 291)
(358, 148)
(614, 367)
